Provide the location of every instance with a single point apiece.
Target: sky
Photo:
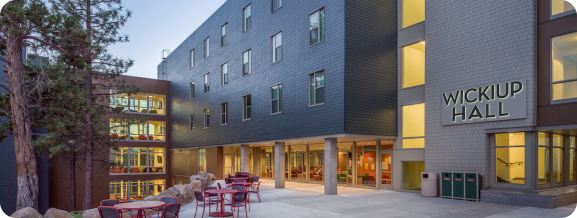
(156, 25)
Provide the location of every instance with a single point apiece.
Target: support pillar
(244, 158)
(330, 166)
(279, 164)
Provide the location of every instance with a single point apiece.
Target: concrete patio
(308, 200)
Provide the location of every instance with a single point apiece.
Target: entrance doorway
(232, 164)
(386, 169)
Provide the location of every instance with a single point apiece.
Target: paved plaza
(307, 200)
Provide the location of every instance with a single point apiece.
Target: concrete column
(244, 158)
(279, 164)
(331, 165)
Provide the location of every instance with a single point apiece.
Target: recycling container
(446, 184)
(473, 186)
(458, 185)
(428, 184)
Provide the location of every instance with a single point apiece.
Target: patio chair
(239, 188)
(227, 181)
(201, 198)
(239, 200)
(254, 182)
(256, 191)
(167, 200)
(249, 180)
(238, 181)
(108, 212)
(171, 211)
(109, 202)
(212, 197)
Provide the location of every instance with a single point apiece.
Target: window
(206, 83)
(191, 90)
(413, 12)
(202, 160)
(557, 158)
(560, 6)
(276, 98)
(246, 18)
(224, 74)
(223, 40)
(543, 158)
(192, 122)
(206, 47)
(276, 47)
(135, 190)
(275, 5)
(246, 111)
(572, 158)
(148, 103)
(224, 111)
(564, 67)
(150, 130)
(412, 175)
(137, 160)
(317, 27)
(413, 65)
(206, 118)
(191, 58)
(414, 126)
(510, 158)
(317, 88)
(550, 158)
(246, 63)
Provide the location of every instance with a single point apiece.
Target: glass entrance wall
(543, 158)
(298, 168)
(266, 162)
(366, 158)
(572, 158)
(386, 169)
(412, 175)
(316, 162)
(345, 164)
(510, 158)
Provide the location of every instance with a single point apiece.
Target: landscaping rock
(185, 190)
(27, 212)
(211, 177)
(92, 213)
(55, 213)
(196, 185)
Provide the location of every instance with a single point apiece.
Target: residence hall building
(372, 93)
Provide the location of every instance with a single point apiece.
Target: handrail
(510, 164)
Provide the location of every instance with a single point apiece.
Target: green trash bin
(458, 185)
(446, 185)
(473, 186)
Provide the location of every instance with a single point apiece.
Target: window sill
(276, 62)
(276, 113)
(561, 15)
(247, 119)
(402, 28)
(314, 105)
(136, 140)
(223, 124)
(564, 101)
(316, 43)
(145, 113)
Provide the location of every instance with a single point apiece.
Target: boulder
(203, 179)
(185, 190)
(55, 213)
(196, 185)
(27, 212)
(211, 177)
(92, 213)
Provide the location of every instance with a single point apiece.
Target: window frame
(550, 147)
(249, 62)
(403, 124)
(529, 145)
(274, 51)
(278, 3)
(130, 160)
(279, 99)
(245, 107)
(224, 113)
(224, 35)
(192, 90)
(130, 103)
(559, 15)
(192, 125)
(315, 88)
(191, 58)
(246, 27)
(564, 100)
(206, 82)
(206, 118)
(207, 47)
(319, 27)
(223, 75)
(402, 68)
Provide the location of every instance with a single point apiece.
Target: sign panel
(493, 102)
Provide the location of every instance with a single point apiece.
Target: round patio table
(140, 206)
(237, 179)
(221, 192)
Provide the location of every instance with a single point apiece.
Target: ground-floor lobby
(300, 199)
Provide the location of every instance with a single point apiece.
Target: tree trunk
(27, 178)
(72, 182)
(89, 136)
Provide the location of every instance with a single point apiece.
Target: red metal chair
(108, 212)
(256, 191)
(218, 184)
(201, 198)
(172, 210)
(214, 198)
(167, 200)
(228, 181)
(239, 199)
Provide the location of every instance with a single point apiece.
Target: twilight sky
(156, 25)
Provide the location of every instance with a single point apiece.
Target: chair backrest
(249, 180)
(227, 180)
(109, 202)
(238, 181)
(108, 212)
(169, 200)
(210, 188)
(239, 196)
(256, 179)
(239, 188)
(239, 176)
(199, 197)
(171, 210)
(218, 184)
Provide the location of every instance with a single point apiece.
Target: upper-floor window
(246, 18)
(137, 160)
(192, 122)
(246, 62)
(206, 47)
(224, 74)
(206, 118)
(276, 99)
(275, 5)
(317, 88)
(247, 104)
(413, 123)
(564, 67)
(150, 130)
(413, 61)
(206, 84)
(191, 90)
(223, 40)
(191, 58)
(413, 12)
(560, 6)
(317, 27)
(138, 103)
(132, 189)
(224, 112)
(276, 47)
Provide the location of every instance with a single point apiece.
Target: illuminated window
(192, 122)
(137, 160)
(135, 190)
(564, 67)
(557, 148)
(510, 158)
(412, 174)
(275, 5)
(224, 112)
(543, 158)
(206, 118)
(206, 47)
(224, 74)
(246, 109)
(560, 6)
(317, 88)
(550, 158)
(202, 160)
(149, 130)
(138, 103)
(572, 158)
(413, 12)
(276, 99)
(276, 47)
(246, 63)
(191, 90)
(246, 18)
(206, 83)
(413, 64)
(317, 27)
(414, 126)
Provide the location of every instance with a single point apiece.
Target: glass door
(228, 165)
(386, 170)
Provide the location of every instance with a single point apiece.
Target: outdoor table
(236, 179)
(140, 206)
(221, 192)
